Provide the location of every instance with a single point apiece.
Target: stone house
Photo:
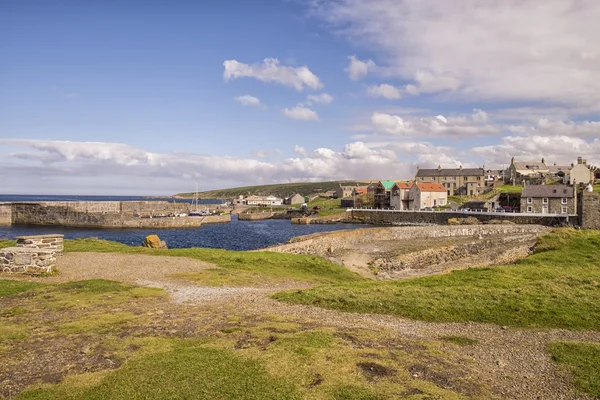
(548, 199)
(423, 195)
(294, 199)
(524, 170)
(399, 198)
(559, 173)
(580, 173)
(382, 194)
(349, 191)
(456, 181)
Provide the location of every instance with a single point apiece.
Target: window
(545, 200)
(445, 178)
(563, 200)
(529, 209)
(453, 178)
(422, 179)
(554, 191)
(564, 210)
(442, 202)
(529, 200)
(565, 191)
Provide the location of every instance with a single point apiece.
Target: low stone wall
(386, 217)
(256, 216)
(5, 214)
(327, 242)
(589, 211)
(47, 242)
(27, 260)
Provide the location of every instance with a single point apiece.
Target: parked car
(427, 209)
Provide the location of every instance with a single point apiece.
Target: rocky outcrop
(154, 242)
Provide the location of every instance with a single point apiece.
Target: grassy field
(237, 268)
(597, 188)
(102, 339)
(583, 360)
(557, 287)
(280, 190)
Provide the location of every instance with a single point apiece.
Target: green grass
(7, 243)
(280, 190)
(185, 372)
(557, 287)
(597, 188)
(10, 287)
(236, 267)
(510, 189)
(583, 360)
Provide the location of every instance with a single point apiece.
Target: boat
(194, 212)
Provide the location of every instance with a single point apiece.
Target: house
(262, 201)
(559, 172)
(580, 173)
(344, 191)
(330, 194)
(351, 202)
(423, 195)
(382, 194)
(523, 170)
(399, 199)
(294, 199)
(273, 201)
(360, 190)
(456, 181)
(548, 199)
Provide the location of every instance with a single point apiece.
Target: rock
(154, 242)
(463, 221)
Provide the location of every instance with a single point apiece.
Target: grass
(511, 189)
(280, 190)
(236, 267)
(10, 287)
(557, 287)
(583, 360)
(597, 188)
(7, 243)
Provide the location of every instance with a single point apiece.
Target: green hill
(279, 190)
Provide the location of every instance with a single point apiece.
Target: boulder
(154, 242)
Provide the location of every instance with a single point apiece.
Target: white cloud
(439, 126)
(560, 149)
(249, 101)
(322, 98)
(265, 153)
(482, 50)
(64, 163)
(359, 69)
(300, 112)
(271, 71)
(560, 128)
(300, 150)
(384, 90)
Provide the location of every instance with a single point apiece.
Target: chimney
(579, 160)
(543, 160)
(417, 168)
(439, 167)
(460, 167)
(512, 160)
(584, 162)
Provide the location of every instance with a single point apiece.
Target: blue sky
(148, 97)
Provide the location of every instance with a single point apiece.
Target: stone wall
(104, 215)
(589, 210)
(5, 214)
(441, 217)
(328, 242)
(27, 260)
(47, 242)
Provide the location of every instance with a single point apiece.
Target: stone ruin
(32, 255)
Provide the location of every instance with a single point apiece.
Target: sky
(148, 97)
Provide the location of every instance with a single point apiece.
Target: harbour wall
(391, 217)
(109, 214)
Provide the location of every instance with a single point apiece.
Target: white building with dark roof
(456, 181)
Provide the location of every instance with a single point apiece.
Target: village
(524, 187)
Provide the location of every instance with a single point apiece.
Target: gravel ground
(513, 362)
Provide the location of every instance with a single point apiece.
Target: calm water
(237, 235)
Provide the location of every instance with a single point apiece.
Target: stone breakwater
(105, 214)
(327, 243)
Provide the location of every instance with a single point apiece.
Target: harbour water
(236, 235)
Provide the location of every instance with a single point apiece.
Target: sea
(236, 235)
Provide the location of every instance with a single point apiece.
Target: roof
(451, 172)
(430, 187)
(530, 165)
(387, 184)
(547, 191)
(554, 169)
(404, 185)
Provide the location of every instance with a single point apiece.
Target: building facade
(456, 181)
(423, 195)
(580, 173)
(383, 193)
(548, 199)
(295, 199)
(399, 196)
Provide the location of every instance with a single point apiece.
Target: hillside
(279, 190)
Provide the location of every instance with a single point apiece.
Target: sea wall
(389, 217)
(327, 242)
(5, 214)
(106, 215)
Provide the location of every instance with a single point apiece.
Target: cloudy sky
(150, 97)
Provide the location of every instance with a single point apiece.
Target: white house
(399, 197)
(423, 195)
(580, 173)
